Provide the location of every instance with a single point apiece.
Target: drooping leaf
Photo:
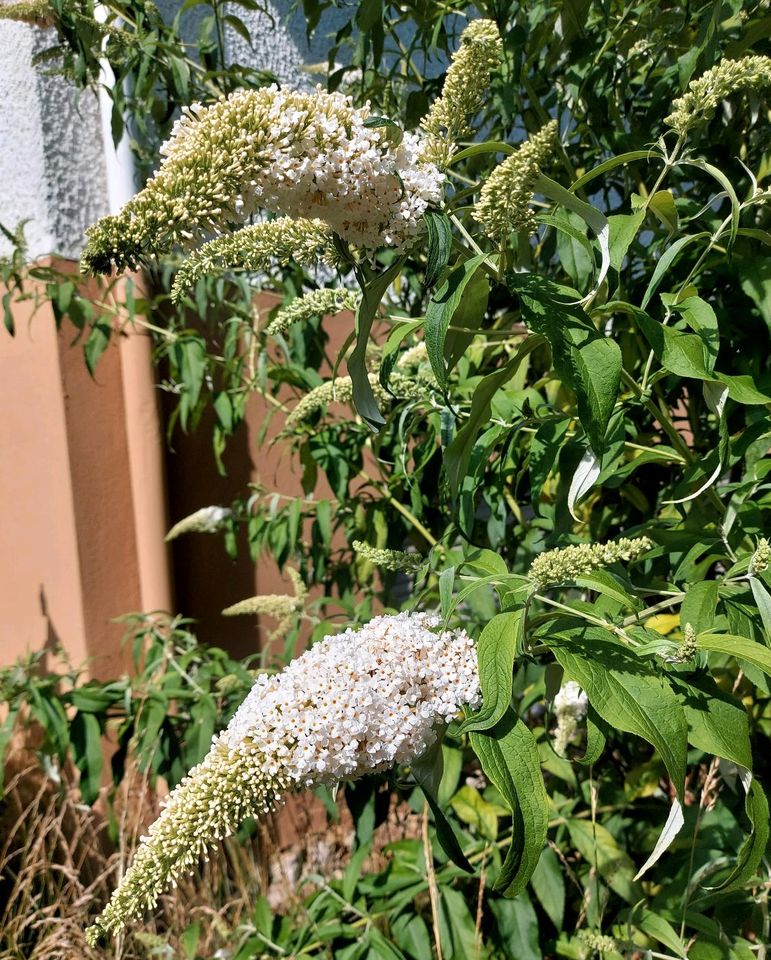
(459, 293)
(458, 453)
(754, 847)
(439, 234)
(373, 292)
(509, 756)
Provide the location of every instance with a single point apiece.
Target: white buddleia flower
(570, 706)
(351, 705)
(310, 156)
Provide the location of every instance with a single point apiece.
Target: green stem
(597, 621)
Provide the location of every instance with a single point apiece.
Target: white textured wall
(52, 169)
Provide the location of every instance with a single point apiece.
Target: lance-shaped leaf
(496, 649)
(462, 298)
(627, 693)
(373, 292)
(588, 362)
(509, 757)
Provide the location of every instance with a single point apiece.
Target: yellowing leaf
(663, 622)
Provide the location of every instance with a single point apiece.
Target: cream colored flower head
(698, 104)
(504, 202)
(311, 156)
(465, 87)
(350, 705)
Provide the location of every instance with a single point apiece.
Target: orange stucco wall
(88, 489)
(69, 537)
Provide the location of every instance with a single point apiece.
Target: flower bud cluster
(353, 704)
(504, 202)
(688, 647)
(464, 89)
(698, 104)
(413, 356)
(570, 707)
(38, 13)
(257, 247)
(305, 155)
(205, 520)
(281, 607)
(600, 942)
(317, 303)
(567, 563)
(760, 557)
(393, 560)
(340, 390)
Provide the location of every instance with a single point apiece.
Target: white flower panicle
(205, 520)
(317, 303)
(393, 560)
(698, 104)
(464, 90)
(567, 563)
(257, 247)
(570, 706)
(504, 202)
(353, 704)
(304, 155)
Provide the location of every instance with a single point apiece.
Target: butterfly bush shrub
(552, 275)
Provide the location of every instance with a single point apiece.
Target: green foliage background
(658, 382)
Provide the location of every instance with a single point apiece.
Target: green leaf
(600, 849)
(517, 928)
(605, 583)
(588, 362)
(607, 165)
(456, 295)
(427, 771)
(655, 926)
(190, 939)
(87, 746)
(496, 649)
(96, 343)
(662, 205)
(682, 353)
(594, 219)
(702, 320)
(666, 262)
(509, 757)
(740, 648)
(373, 292)
(717, 723)
(698, 607)
(439, 234)
(726, 184)
(628, 695)
(623, 230)
(548, 883)
(763, 601)
(754, 847)
(458, 453)
(472, 809)
(544, 448)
